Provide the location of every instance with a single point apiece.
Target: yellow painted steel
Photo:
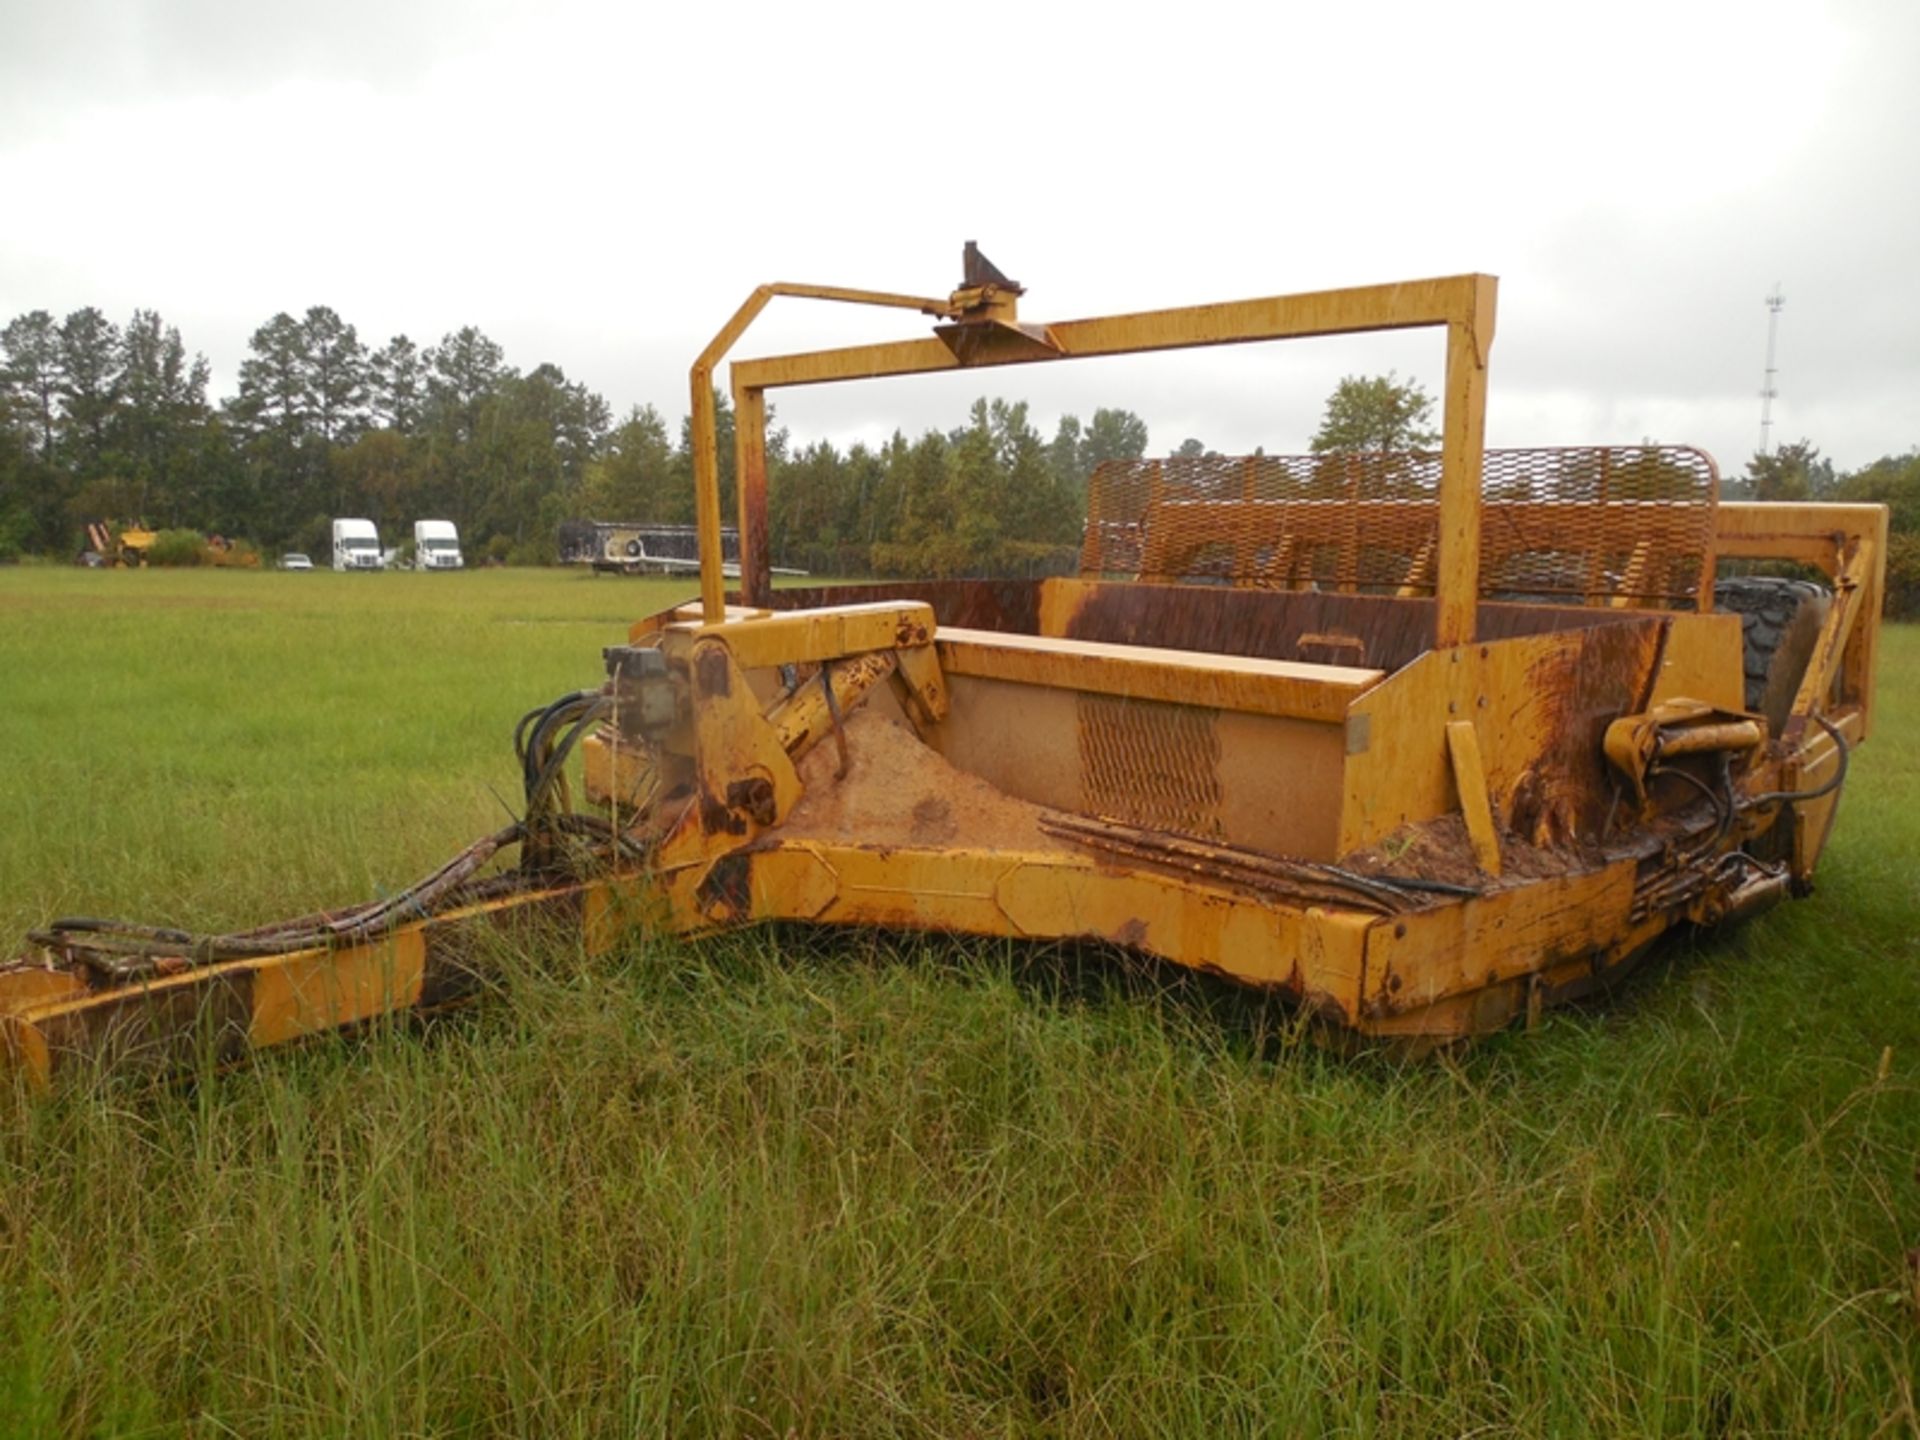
(1296, 509)
(1261, 815)
(1848, 544)
(706, 466)
(804, 637)
(1470, 781)
(121, 546)
(1229, 682)
(163, 1021)
(1463, 305)
(1634, 744)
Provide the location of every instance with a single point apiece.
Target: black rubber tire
(1780, 621)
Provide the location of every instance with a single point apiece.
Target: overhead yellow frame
(1463, 304)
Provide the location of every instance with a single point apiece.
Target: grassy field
(848, 1186)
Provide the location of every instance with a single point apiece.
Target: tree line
(100, 421)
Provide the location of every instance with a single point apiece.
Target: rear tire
(1780, 623)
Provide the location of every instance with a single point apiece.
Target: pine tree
(335, 363)
(32, 376)
(89, 370)
(163, 404)
(397, 385)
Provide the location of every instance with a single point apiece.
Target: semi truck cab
(436, 545)
(356, 545)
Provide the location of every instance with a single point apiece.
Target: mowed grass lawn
(787, 1184)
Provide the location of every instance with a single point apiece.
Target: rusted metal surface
(1593, 525)
(1539, 705)
(1010, 605)
(1368, 631)
(1391, 631)
(1569, 696)
(977, 271)
(1295, 882)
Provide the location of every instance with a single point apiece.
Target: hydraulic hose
(543, 742)
(1832, 783)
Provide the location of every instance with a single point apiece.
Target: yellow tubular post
(706, 459)
(1463, 428)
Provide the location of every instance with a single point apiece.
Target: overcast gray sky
(599, 185)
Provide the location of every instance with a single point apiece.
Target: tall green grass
(218, 747)
(860, 1185)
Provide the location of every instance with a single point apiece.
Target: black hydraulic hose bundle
(543, 749)
(358, 922)
(1685, 876)
(543, 741)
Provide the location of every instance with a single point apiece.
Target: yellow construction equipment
(121, 546)
(1426, 742)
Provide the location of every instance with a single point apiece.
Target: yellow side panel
(321, 990)
(1702, 660)
(1539, 705)
(1414, 960)
(1319, 954)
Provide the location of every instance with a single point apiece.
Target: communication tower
(1768, 393)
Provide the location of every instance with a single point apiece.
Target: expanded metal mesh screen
(1150, 763)
(1625, 525)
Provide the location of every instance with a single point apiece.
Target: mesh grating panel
(1628, 525)
(1150, 764)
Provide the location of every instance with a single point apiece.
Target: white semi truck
(436, 545)
(356, 545)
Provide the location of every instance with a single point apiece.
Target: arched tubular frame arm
(1464, 305)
